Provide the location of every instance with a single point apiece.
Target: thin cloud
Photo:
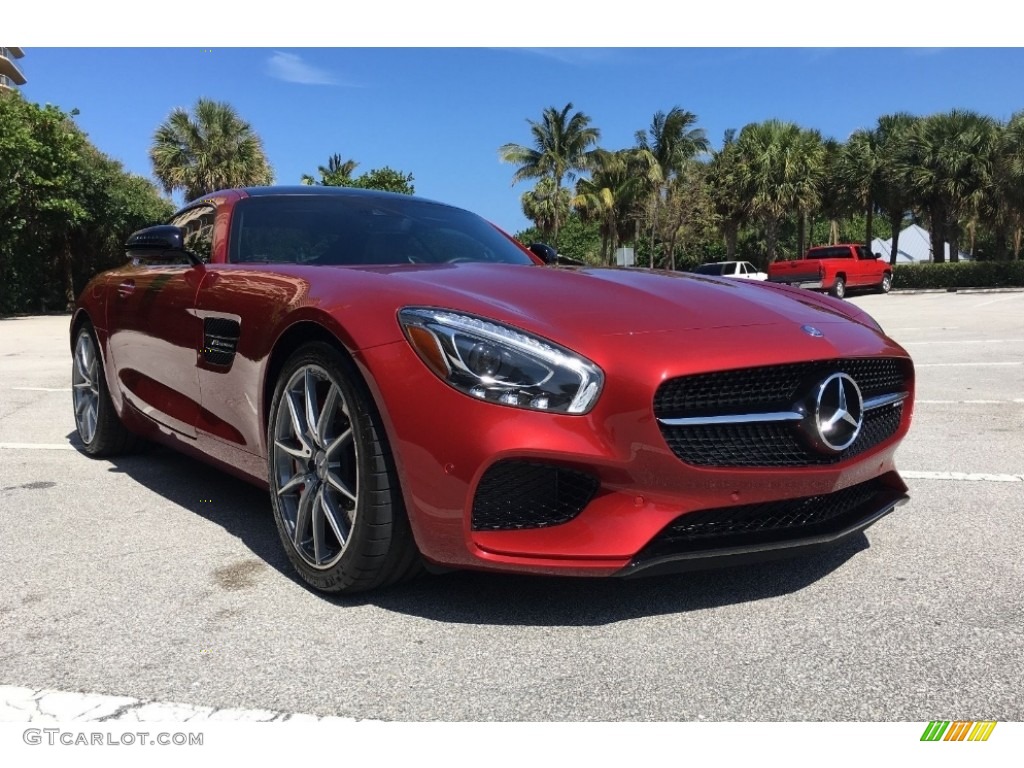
(573, 56)
(292, 69)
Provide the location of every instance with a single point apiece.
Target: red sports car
(417, 389)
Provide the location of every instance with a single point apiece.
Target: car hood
(605, 301)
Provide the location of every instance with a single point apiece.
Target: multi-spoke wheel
(335, 495)
(886, 285)
(98, 425)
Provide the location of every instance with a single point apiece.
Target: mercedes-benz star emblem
(810, 330)
(838, 412)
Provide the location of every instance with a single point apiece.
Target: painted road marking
(38, 446)
(1016, 400)
(984, 477)
(950, 365)
(966, 341)
(28, 705)
(42, 389)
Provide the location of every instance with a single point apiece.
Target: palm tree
(209, 150)
(1008, 188)
(729, 201)
(858, 171)
(618, 181)
(673, 142)
(545, 206)
(950, 164)
(894, 195)
(335, 174)
(836, 201)
(780, 168)
(561, 149)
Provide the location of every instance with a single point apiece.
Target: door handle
(126, 289)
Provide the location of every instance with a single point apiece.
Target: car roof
(291, 190)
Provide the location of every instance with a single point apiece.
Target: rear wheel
(333, 485)
(886, 282)
(97, 423)
(839, 288)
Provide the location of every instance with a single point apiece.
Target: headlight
(500, 364)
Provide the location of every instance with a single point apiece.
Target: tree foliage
(338, 173)
(561, 149)
(67, 208)
(212, 148)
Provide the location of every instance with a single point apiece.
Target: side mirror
(158, 244)
(878, 255)
(544, 252)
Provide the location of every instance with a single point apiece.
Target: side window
(197, 225)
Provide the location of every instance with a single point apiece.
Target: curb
(914, 291)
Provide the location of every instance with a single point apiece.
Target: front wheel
(333, 485)
(839, 288)
(886, 285)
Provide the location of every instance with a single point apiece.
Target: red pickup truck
(834, 268)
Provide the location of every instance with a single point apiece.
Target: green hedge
(959, 274)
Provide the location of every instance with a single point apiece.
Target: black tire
(358, 539)
(886, 284)
(96, 421)
(839, 288)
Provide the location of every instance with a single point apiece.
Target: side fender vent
(220, 341)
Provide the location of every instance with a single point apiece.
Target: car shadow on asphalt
(469, 597)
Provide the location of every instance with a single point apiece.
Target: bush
(959, 274)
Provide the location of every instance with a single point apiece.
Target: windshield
(714, 269)
(358, 230)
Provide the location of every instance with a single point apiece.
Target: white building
(915, 247)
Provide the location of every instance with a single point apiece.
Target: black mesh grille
(527, 494)
(770, 388)
(772, 444)
(774, 388)
(220, 340)
(753, 524)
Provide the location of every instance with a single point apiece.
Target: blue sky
(442, 113)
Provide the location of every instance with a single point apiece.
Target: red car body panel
(640, 328)
(822, 265)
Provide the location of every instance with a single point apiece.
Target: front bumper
(657, 558)
(445, 444)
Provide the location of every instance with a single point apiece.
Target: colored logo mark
(958, 730)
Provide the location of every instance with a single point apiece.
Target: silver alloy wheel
(886, 282)
(85, 388)
(315, 466)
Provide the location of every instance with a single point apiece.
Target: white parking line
(951, 365)
(1016, 401)
(964, 341)
(28, 705)
(966, 476)
(38, 446)
(994, 301)
(42, 389)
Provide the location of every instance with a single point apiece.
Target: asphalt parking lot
(157, 578)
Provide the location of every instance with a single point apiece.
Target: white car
(743, 269)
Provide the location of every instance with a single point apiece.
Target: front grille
(757, 524)
(770, 389)
(518, 494)
(771, 444)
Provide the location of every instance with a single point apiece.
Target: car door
(869, 271)
(154, 333)
(239, 306)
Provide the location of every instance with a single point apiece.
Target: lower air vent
(515, 494)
